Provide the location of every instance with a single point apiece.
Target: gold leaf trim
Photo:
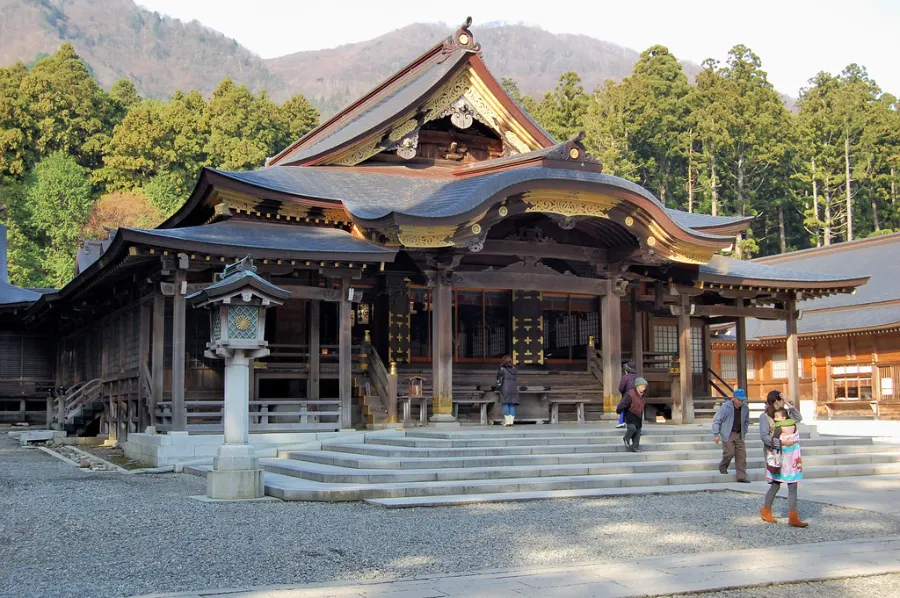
(403, 129)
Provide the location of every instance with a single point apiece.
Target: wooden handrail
(380, 379)
(82, 395)
(720, 380)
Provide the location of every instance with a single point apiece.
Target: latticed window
(665, 340)
(779, 365)
(728, 366)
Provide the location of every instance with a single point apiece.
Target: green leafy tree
(607, 131)
(655, 95)
(16, 151)
(562, 111)
(141, 146)
(69, 111)
(59, 199)
(296, 117)
(243, 128)
(124, 96)
(165, 193)
(185, 116)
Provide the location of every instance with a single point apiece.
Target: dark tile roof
(875, 258)
(720, 266)
(266, 240)
(242, 279)
(11, 294)
(862, 317)
(371, 196)
(384, 110)
(698, 221)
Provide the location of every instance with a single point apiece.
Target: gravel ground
(878, 586)
(68, 533)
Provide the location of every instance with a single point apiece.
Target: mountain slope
(533, 57)
(119, 39)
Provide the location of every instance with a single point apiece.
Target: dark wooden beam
(545, 250)
(157, 358)
(763, 313)
(344, 354)
(741, 326)
(517, 281)
(315, 326)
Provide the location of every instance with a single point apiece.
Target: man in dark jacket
(632, 407)
(626, 384)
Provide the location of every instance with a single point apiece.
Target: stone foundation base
(235, 484)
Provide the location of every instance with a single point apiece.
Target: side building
(849, 344)
(425, 231)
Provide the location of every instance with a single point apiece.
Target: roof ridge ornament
(462, 39)
(573, 150)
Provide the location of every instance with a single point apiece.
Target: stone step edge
(457, 500)
(313, 468)
(814, 472)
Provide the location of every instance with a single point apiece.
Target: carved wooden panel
(527, 328)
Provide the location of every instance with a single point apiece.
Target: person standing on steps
(632, 407)
(509, 391)
(730, 428)
(626, 384)
(774, 438)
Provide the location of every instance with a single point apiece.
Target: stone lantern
(237, 304)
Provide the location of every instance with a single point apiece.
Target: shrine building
(425, 231)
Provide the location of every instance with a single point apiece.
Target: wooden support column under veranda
(683, 407)
(741, 341)
(637, 341)
(793, 353)
(315, 351)
(144, 415)
(442, 350)
(179, 315)
(345, 364)
(157, 356)
(611, 343)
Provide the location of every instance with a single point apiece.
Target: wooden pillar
(793, 353)
(315, 351)
(143, 402)
(345, 354)
(684, 411)
(637, 342)
(611, 344)
(179, 315)
(157, 358)
(442, 350)
(741, 341)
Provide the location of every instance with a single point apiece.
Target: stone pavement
(639, 577)
(651, 576)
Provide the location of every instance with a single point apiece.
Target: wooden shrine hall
(425, 231)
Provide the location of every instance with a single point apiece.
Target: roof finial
(461, 40)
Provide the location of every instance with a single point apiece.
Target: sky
(794, 38)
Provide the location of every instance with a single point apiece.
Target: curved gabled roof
(12, 295)
(401, 96)
(372, 196)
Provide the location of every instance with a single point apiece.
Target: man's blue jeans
(509, 409)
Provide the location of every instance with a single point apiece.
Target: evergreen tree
(16, 151)
(562, 111)
(69, 111)
(296, 117)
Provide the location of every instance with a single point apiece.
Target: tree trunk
(827, 232)
(816, 202)
(713, 183)
(893, 186)
(740, 185)
(782, 242)
(847, 185)
(690, 205)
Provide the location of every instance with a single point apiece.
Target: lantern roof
(241, 279)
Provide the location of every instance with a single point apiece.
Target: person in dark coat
(626, 384)
(632, 406)
(509, 390)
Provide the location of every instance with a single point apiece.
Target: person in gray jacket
(730, 428)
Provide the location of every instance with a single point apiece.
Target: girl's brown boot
(794, 520)
(766, 514)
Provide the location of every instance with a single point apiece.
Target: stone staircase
(445, 467)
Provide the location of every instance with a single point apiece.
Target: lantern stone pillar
(237, 305)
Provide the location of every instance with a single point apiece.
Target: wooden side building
(849, 345)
